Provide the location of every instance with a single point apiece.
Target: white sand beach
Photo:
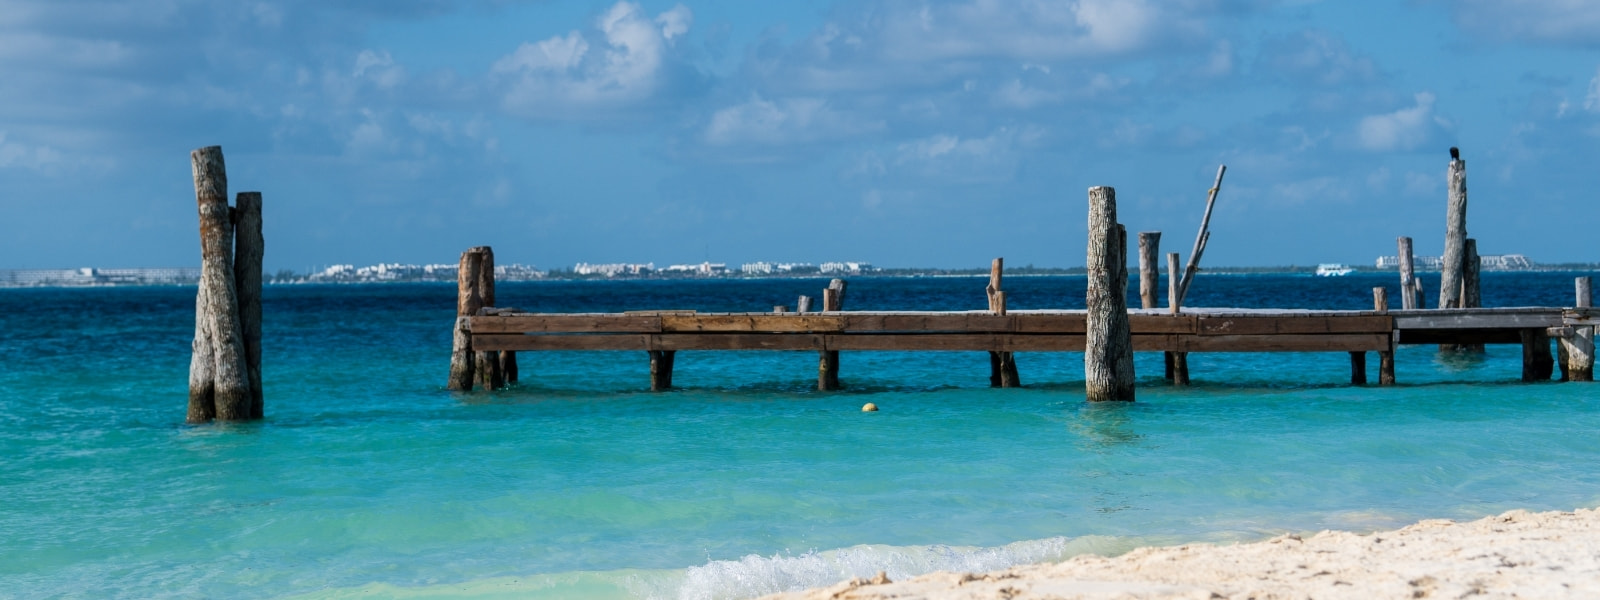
(1518, 554)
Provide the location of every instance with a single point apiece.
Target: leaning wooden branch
(1199, 241)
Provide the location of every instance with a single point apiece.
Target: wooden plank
(751, 323)
(1460, 336)
(574, 323)
(1050, 323)
(735, 341)
(520, 342)
(1153, 323)
(1295, 324)
(994, 342)
(1480, 320)
(1346, 342)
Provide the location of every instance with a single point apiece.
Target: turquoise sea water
(368, 479)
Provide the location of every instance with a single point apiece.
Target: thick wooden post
(1176, 362)
(803, 305)
(1537, 364)
(490, 376)
(1108, 352)
(1358, 368)
(828, 360)
(249, 248)
(220, 387)
(1455, 234)
(1408, 275)
(468, 301)
(1149, 268)
(1580, 345)
(661, 369)
(1471, 269)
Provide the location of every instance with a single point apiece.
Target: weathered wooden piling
(1471, 295)
(1537, 364)
(828, 360)
(1455, 234)
(248, 252)
(1579, 347)
(1408, 275)
(219, 373)
(1149, 268)
(468, 302)
(487, 362)
(1108, 346)
(803, 304)
(1358, 368)
(661, 369)
(1177, 363)
(1380, 303)
(1002, 364)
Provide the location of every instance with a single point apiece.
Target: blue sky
(901, 132)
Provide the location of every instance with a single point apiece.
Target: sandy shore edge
(1518, 554)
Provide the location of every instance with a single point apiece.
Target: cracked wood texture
(219, 386)
(468, 302)
(1455, 236)
(249, 248)
(1108, 353)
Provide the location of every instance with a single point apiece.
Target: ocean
(368, 479)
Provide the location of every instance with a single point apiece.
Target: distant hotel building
(705, 269)
(613, 269)
(766, 268)
(1503, 262)
(92, 276)
(846, 267)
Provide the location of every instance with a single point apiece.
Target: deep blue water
(367, 477)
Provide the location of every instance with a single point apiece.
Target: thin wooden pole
(1471, 269)
(1149, 268)
(1177, 363)
(468, 301)
(1408, 277)
(1002, 364)
(249, 248)
(217, 302)
(1200, 239)
(1455, 234)
(1108, 348)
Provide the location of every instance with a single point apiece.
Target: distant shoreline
(886, 273)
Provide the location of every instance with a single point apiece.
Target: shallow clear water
(368, 478)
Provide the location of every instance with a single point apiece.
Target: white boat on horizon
(1333, 270)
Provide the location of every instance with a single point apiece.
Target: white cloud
(26, 156)
(379, 68)
(1404, 129)
(1029, 29)
(787, 121)
(992, 158)
(572, 75)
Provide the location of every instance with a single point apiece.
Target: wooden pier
(1194, 330)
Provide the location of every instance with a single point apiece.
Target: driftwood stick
(219, 302)
(249, 248)
(1108, 347)
(1201, 238)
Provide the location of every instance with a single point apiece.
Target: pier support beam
(487, 363)
(1002, 364)
(1579, 347)
(1358, 368)
(1537, 364)
(1108, 347)
(1177, 363)
(1380, 303)
(828, 360)
(249, 248)
(661, 369)
(1408, 275)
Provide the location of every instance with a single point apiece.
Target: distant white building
(845, 267)
(614, 269)
(756, 268)
(705, 269)
(1501, 262)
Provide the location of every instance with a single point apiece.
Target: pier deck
(1194, 330)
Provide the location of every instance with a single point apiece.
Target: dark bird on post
(1455, 153)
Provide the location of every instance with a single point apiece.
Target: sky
(903, 133)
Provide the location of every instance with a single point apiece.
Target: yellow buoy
(869, 407)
